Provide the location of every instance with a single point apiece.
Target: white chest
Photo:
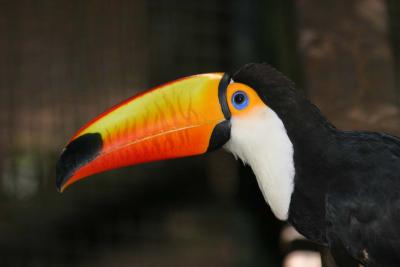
(260, 140)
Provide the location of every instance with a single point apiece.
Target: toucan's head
(189, 116)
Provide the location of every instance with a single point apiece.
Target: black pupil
(239, 98)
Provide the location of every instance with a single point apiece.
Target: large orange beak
(176, 119)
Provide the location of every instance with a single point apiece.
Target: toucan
(340, 189)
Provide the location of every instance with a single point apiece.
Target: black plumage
(347, 183)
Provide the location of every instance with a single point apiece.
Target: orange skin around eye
(254, 100)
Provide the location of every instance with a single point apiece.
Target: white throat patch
(260, 139)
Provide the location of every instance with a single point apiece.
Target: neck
(314, 144)
(309, 131)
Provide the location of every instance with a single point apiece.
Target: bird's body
(340, 189)
(355, 204)
(346, 184)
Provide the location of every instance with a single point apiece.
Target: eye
(240, 100)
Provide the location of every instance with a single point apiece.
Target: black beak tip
(77, 153)
(61, 172)
(58, 187)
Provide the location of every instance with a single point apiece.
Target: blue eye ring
(240, 100)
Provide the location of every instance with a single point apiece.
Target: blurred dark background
(62, 62)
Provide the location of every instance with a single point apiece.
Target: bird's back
(363, 201)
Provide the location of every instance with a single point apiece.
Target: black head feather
(262, 74)
(275, 89)
(280, 94)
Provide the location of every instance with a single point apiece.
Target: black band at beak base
(223, 85)
(222, 131)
